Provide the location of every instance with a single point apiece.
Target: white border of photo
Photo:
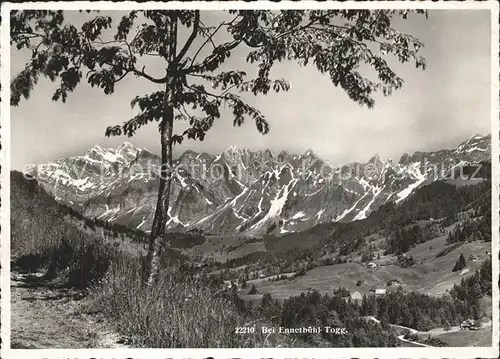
(386, 353)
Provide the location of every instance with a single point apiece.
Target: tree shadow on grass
(51, 289)
(29, 263)
(18, 345)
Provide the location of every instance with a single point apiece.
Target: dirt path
(413, 344)
(48, 317)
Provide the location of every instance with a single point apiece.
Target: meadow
(430, 275)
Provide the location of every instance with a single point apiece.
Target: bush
(253, 290)
(301, 272)
(406, 262)
(449, 249)
(460, 263)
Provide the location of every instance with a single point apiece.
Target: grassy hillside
(178, 312)
(42, 240)
(430, 275)
(479, 338)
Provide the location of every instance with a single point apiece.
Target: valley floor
(48, 317)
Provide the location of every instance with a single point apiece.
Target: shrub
(449, 249)
(301, 272)
(460, 263)
(253, 290)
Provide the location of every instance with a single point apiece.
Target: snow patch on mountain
(286, 190)
(277, 204)
(349, 210)
(140, 224)
(419, 179)
(364, 212)
(298, 215)
(319, 214)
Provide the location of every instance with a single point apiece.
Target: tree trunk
(166, 130)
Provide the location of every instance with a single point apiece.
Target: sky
(436, 108)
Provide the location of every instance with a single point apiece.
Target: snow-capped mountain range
(243, 191)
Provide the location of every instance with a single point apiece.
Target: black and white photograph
(231, 176)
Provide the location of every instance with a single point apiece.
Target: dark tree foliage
(253, 290)
(366, 257)
(460, 263)
(441, 200)
(405, 261)
(475, 286)
(334, 310)
(406, 238)
(65, 53)
(449, 249)
(416, 310)
(472, 230)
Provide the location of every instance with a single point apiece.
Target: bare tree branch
(148, 77)
(141, 73)
(205, 92)
(191, 38)
(223, 48)
(210, 38)
(122, 76)
(298, 28)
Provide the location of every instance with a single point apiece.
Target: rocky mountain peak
(474, 144)
(235, 149)
(376, 159)
(252, 191)
(128, 151)
(124, 153)
(125, 146)
(234, 155)
(265, 155)
(188, 156)
(310, 153)
(404, 159)
(478, 136)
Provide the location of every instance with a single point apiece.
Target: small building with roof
(356, 297)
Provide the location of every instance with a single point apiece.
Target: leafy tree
(195, 87)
